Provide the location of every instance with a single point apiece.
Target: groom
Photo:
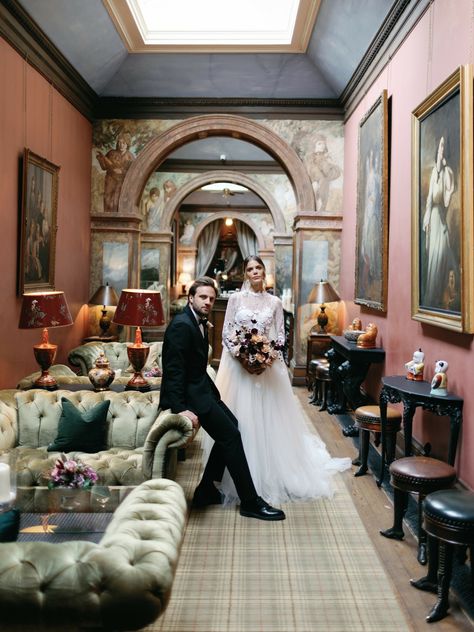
(187, 389)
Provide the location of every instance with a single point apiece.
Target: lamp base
(137, 354)
(45, 354)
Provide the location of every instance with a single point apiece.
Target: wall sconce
(229, 221)
(322, 293)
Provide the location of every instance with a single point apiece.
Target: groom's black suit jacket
(185, 384)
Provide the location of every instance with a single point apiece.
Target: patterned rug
(315, 571)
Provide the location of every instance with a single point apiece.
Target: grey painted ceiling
(85, 34)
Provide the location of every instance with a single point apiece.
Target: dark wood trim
(25, 36)
(179, 108)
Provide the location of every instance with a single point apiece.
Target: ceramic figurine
(439, 383)
(356, 325)
(101, 375)
(368, 338)
(415, 366)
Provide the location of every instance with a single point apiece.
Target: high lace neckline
(253, 293)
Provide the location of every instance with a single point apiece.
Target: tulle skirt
(287, 461)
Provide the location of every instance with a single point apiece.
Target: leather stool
(367, 419)
(422, 475)
(448, 520)
(322, 383)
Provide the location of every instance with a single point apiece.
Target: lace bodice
(245, 307)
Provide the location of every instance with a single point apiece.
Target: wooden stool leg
(364, 436)
(324, 396)
(391, 445)
(400, 500)
(429, 582)
(422, 553)
(440, 609)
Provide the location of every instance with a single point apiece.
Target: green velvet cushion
(81, 432)
(9, 525)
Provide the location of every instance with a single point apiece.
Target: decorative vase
(69, 500)
(101, 375)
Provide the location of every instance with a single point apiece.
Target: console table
(348, 368)
(397, 388)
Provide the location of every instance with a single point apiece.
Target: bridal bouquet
(69, 473)
(254, 350)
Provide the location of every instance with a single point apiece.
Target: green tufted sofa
(142, 441)
(122, 583)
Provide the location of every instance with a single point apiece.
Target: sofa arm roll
(123, 583)
(8, 420)
(170, 430)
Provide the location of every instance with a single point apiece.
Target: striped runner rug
(315, 571)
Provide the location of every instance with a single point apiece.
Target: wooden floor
(376, 512)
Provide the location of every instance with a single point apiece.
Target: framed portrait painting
(372, 208)
(39, 202)
(442, 186)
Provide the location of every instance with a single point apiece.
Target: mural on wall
(150, 269)
(280, 187)
(283, 271)
(159, 189)
(320, 145)
(116, 143)
(115, 264)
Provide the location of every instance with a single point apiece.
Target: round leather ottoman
(448, 520)
(421, 475)
(367, 419)
(322, 382)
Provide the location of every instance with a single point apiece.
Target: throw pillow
(81, 432)
(152, 360)
(9, 525)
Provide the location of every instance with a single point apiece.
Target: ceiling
(86, 35)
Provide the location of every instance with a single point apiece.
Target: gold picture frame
(371, 269)
(442, 205)
(39, 205)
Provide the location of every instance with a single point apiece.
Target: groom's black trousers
(221, 424)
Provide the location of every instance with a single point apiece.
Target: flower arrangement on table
(69, 473)
(253, 349)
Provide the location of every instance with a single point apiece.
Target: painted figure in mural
(151, 209)
(322, 170)
(188, 232)
(115, 163)
(371, 248)
(439, 254)
(169, 189)
(286, 461)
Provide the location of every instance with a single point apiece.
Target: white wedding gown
(286, 460)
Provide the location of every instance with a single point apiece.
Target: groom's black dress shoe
(206, 495)
(261, 510)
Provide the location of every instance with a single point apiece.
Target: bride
(286, 460)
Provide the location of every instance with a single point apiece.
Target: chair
(367, 419)
(449, 521)
(421, 475)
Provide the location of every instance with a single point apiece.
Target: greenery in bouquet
(69, 473)
(254, 350)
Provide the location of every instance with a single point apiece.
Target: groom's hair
(202, 281)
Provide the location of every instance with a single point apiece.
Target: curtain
(206, 247)
(246, 239)
(232, 256)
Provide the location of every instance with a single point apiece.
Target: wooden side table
(100, 339)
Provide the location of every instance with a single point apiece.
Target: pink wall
(34, 115)
(440, 43)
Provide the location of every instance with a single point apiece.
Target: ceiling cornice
(25, 36)
(399, 22)
(154, 107)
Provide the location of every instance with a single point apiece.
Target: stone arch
(153, 154)
(223, 176)
(221, 215)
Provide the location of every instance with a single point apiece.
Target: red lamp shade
(139, 308)
(42, 310)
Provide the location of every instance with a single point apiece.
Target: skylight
(210, 25)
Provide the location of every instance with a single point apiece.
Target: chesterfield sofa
(121, 583)
(141, 441)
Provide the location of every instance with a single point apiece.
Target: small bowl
(352, 334)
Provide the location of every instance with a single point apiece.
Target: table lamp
(322, 293)
(139, 308)
(43, 310)
(105, 296)
(183, 279)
